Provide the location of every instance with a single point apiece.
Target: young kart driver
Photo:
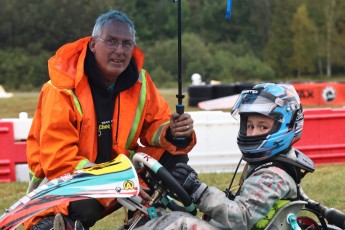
(271, 120)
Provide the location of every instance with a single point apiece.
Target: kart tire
(46, 223)
(193, 101)
(223, 90)
(200, 91)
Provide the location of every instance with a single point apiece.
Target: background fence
(323, 140)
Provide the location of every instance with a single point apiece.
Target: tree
(329, 34)
(195, 58)
(231, 50)
(303, 43)
(279, 48)
(255, 24)
(329, 12)
(338, 41)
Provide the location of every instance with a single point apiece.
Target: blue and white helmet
(278, 101)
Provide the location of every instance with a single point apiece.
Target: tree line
(265, 40)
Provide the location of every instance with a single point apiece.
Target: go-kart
(307, 214)
(119, 179)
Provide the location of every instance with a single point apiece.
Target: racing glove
(188, 178)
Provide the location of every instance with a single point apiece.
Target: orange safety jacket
(63, 135)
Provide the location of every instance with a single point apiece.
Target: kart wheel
(306, 222)
(44, 224)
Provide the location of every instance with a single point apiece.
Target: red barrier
(11, 152)
(321, 93)
(323, 137)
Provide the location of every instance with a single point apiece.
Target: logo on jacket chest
(105, 126)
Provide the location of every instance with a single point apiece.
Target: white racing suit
(257, 195)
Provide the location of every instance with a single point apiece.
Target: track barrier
(323, 137)
(323, 140)
(321, 93)
(310, 93)
(11, 152)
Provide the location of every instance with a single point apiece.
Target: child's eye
(250, 127)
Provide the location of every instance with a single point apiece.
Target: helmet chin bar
(248, 145)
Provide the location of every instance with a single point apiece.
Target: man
(99, 103)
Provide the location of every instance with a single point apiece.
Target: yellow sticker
(128, 184)
(120, 163)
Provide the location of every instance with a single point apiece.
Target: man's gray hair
(109, 16)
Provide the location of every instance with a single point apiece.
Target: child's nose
(256, 131)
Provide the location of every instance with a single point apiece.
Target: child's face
(258, 125)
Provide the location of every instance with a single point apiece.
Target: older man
(99, 103)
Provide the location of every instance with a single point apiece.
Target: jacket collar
(66, 67)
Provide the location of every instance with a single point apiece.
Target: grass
(27, 101)
(20, 102)
(324, 185)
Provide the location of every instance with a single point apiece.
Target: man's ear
(92, 45)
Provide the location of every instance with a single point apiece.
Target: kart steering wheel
(140, 159)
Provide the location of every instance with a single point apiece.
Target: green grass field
(324, 185)
(27, 101)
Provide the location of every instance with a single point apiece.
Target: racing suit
(256, 197)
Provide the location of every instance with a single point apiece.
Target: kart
(114, 179)
(290, 217)
(119, 179)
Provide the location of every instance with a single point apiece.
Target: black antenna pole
(179, 96)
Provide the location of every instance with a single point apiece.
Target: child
(271, 121)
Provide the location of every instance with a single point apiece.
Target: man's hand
(188, 178)
(181, 125)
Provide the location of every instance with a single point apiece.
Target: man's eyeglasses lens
(113, 44)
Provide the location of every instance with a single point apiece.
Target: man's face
(113, 61)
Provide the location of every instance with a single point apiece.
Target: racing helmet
(277, 101)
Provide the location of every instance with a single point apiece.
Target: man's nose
(119, 48)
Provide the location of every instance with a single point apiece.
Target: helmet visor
(255, 101)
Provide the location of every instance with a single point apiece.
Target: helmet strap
(228, 190)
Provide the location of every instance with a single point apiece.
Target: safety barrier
(310, 93)
(323, 140)
(13, 135)
(321, 93)
(217, 149)
(323, 137)
(11, 152)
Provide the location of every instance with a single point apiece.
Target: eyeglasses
(113, 44)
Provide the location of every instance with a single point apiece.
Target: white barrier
(216, 149)
(21, 126)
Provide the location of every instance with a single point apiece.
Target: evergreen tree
(303, 43)
(279, 47)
